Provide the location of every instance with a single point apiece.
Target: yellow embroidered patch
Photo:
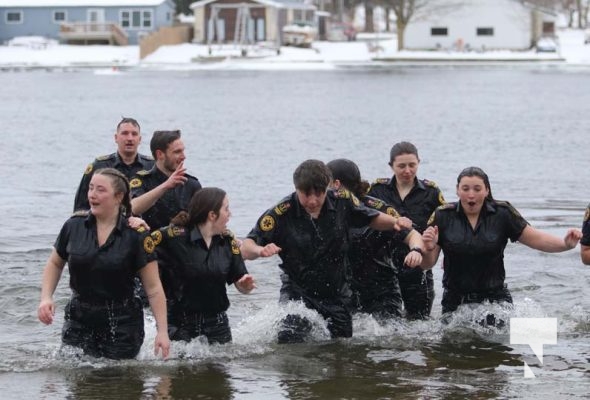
(431, 219)
(392, 211)
(135, 183)
(157, 237)
(235, 248)
(148, 245)
(267, 223)
(282, 208)
(355, 200)
(88, 169)
(441, 198)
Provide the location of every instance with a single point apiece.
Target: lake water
(246, 131)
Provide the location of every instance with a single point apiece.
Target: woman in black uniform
(104, 254)
(473, 233)
(202, 257)
(375, 283)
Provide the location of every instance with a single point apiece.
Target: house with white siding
(479, 25)
(85, 21)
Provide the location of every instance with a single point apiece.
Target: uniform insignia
(228, 233)
(135, 183)
(392, 211)
(267, 223)
(148, 245)
(343, 194)
(431, 219)
(143, 172)
(88, 169)
(282, 208)
(441, 198)
(374, 203)
(355, 200)
(587, 214)
(381, 181)
(506, 204)
(81, 213)
(429, 183)
(174, 231)
(157, 237)
(235, 248)
(103, 158)
(140, 229)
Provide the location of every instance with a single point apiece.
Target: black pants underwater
(417, 287)
(186, 325)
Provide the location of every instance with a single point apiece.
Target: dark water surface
(246, 132)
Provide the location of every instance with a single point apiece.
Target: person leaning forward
(309, 230)
(126, 159)
(166, 189)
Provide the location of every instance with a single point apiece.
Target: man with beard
(126, 159)
(160, 193)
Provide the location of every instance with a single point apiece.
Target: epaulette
(175, 231)
(146, 157)
(228, 233)
(374, 203)
(143, 172)
(447, 206)
(381, 181)
(282, 208)
(509, 206)
(342, 193)
(429, 183)
(587, 213)
(81, 213)
(105, 157)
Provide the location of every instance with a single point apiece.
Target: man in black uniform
(160, 193)
(126, 160)
(415, 199)
(309, 230)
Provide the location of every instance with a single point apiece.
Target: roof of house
(79, 3)
(295, 4)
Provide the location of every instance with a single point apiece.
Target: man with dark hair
(309, 231)
(160, 193)
(126, 159)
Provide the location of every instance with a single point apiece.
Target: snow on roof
(295, 4)
(78, 3)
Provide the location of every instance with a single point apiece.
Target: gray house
(84, 21)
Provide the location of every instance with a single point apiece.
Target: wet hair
(127, 120)
(162, 139)
(402, 148)
(203, 201)
(347, 172)
(120, 185)
(476, 171)
(312, 176)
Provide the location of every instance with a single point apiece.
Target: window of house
(60, 16)
(439, 31)
(136, 19)
(14, 17)
(485, 31)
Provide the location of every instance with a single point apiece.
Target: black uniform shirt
(141, 162)
(202, 273)
(314, 251)
(474, 259)
(586, 228)
(418, 205)
(172, 202)
(371, 252)
(103, 273)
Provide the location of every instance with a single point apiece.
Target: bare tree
(407, 10)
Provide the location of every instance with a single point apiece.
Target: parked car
(546, 45)
(299, 34)
(341, 32)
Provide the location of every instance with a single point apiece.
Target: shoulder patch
(374, 203)
(392, 211)
(156, 237)
(355, 200)
(81, 213)
(441, 198)
(587, 214)
(282, 208)
(235, 248)
(431, 219)
(342, 194)
(148, 245)
(140, 229)
(88, 169)
(228, 233)
(103, 158)
(267, 223)
(143, 172)
(135, 183)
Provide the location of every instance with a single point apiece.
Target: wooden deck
(93, 33)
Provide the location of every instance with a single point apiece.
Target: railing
(88, 31)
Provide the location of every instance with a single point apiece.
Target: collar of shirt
(121, 222)
(488, 207)
(417, 184)
(196, 236)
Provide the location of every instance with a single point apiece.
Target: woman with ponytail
(103, 317)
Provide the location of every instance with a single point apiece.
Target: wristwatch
(417, 250)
